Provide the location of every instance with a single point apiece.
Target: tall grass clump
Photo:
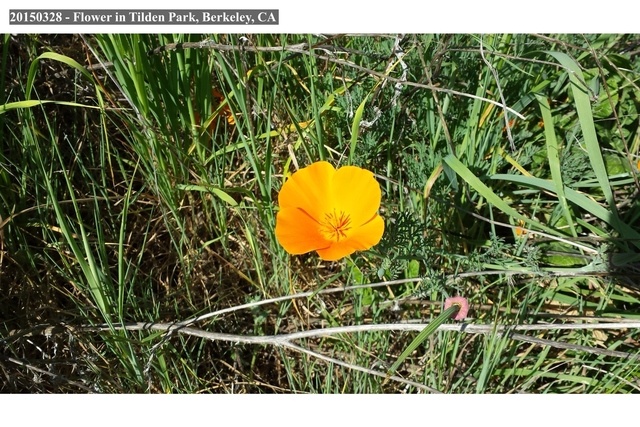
(140, 175)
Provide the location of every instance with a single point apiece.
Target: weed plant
(139, 177)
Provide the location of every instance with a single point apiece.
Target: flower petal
(336, 251)
(363, 238)
(369, 234)
(297, 232)
(356, 192)
(310, 189)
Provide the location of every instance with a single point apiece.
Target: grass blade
(583, 107)
(553, 154)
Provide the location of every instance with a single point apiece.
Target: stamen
(335, 225)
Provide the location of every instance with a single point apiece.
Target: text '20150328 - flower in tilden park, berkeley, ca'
(333, 212)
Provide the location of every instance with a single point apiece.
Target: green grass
(139, 195)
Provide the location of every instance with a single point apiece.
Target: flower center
(335, 225)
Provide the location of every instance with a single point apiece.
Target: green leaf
(553, 151)
(33, 103)
(492, 197)
(583, 106)
(413, 269)
(57, 57)
(579, 199)
(355, 128)
(209, 189)
(423, 335)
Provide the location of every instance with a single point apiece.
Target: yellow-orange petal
(310, 189)
(297, 232)
(362, 238)
(356, 192)
(369, 234)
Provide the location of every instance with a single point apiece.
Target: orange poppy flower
(333, 212)
(224, 112)
(519, 230)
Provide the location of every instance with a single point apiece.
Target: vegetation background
(139, 177)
